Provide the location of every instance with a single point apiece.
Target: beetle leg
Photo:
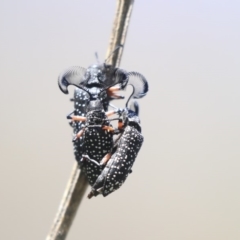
(120, 124)
(95, 192)
(120, 128)
(78, 135)
(86, 157)
(113, 89)
(110, 113)
(78, 118)
(108, 128)
(90, 195)
(69, 115)
(105, 159)
(117, 111)
(111, 92)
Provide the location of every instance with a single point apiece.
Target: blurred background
(185, 181)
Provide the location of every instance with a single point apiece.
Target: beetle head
(105, 76)
(94, 76)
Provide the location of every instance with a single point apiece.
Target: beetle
(120, 160)
(98, 81)
(97, 139)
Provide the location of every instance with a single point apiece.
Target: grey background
(185, 182)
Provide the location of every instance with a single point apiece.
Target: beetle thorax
(96, 117)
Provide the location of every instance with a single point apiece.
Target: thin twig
(77, 183)
(119, 32)
(72, 197)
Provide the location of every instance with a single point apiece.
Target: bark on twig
(77, 183)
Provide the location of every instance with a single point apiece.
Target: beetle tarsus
(69, 115)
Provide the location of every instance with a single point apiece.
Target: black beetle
(120, 160)
(96, 137)
(99, 81)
